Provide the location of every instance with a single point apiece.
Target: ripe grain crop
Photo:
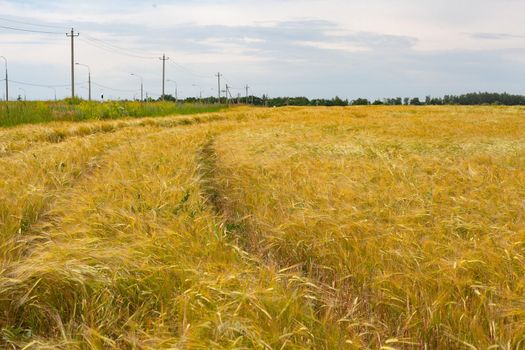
(292, 228)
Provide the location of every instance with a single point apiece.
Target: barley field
(251, 228)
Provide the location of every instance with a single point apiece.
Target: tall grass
(22, 112)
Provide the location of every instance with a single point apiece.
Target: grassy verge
(16, 113)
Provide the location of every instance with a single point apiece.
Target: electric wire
(101, 47)
(191, 71)
(29, 30)
(107, 43)
(104, 45)
(42, 85)
(113, 89)
(95, 42)
(31, 24)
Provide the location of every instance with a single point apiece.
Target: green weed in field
(22, 112)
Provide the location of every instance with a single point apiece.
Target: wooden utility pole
(163, 59)
(72, 35)
(219, 75)
(6, 80)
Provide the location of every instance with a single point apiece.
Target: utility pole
(72, 35)
(247, 88)
(6, 80)
(228, 95)
(163, 59)
(219, 75)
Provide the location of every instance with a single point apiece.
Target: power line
(114, 51)
(192, 72)
(110, 46)
(28, 30)
(135, 54)
(41, 85)
(112, 89)
(30, 24)
(105, 45)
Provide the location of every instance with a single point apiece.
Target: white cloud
(333, 46)
(278, 42)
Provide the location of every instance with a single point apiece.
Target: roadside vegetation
(32, 112)
(292, 228)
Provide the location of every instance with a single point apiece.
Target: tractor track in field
(236, 225)
(40, 232)
(214, 195)
(34, 231)
(208, 160)
(28, 229)
(247, 234)
(57, 136)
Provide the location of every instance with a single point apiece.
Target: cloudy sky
(314, 48)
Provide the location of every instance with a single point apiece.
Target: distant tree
(436, 101)
(299, 101)
(394, 101)
(415, 101)
(360, 102)
(337, 101)
(167, 98)
(479, 98)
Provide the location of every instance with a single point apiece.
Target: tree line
(470, 99)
